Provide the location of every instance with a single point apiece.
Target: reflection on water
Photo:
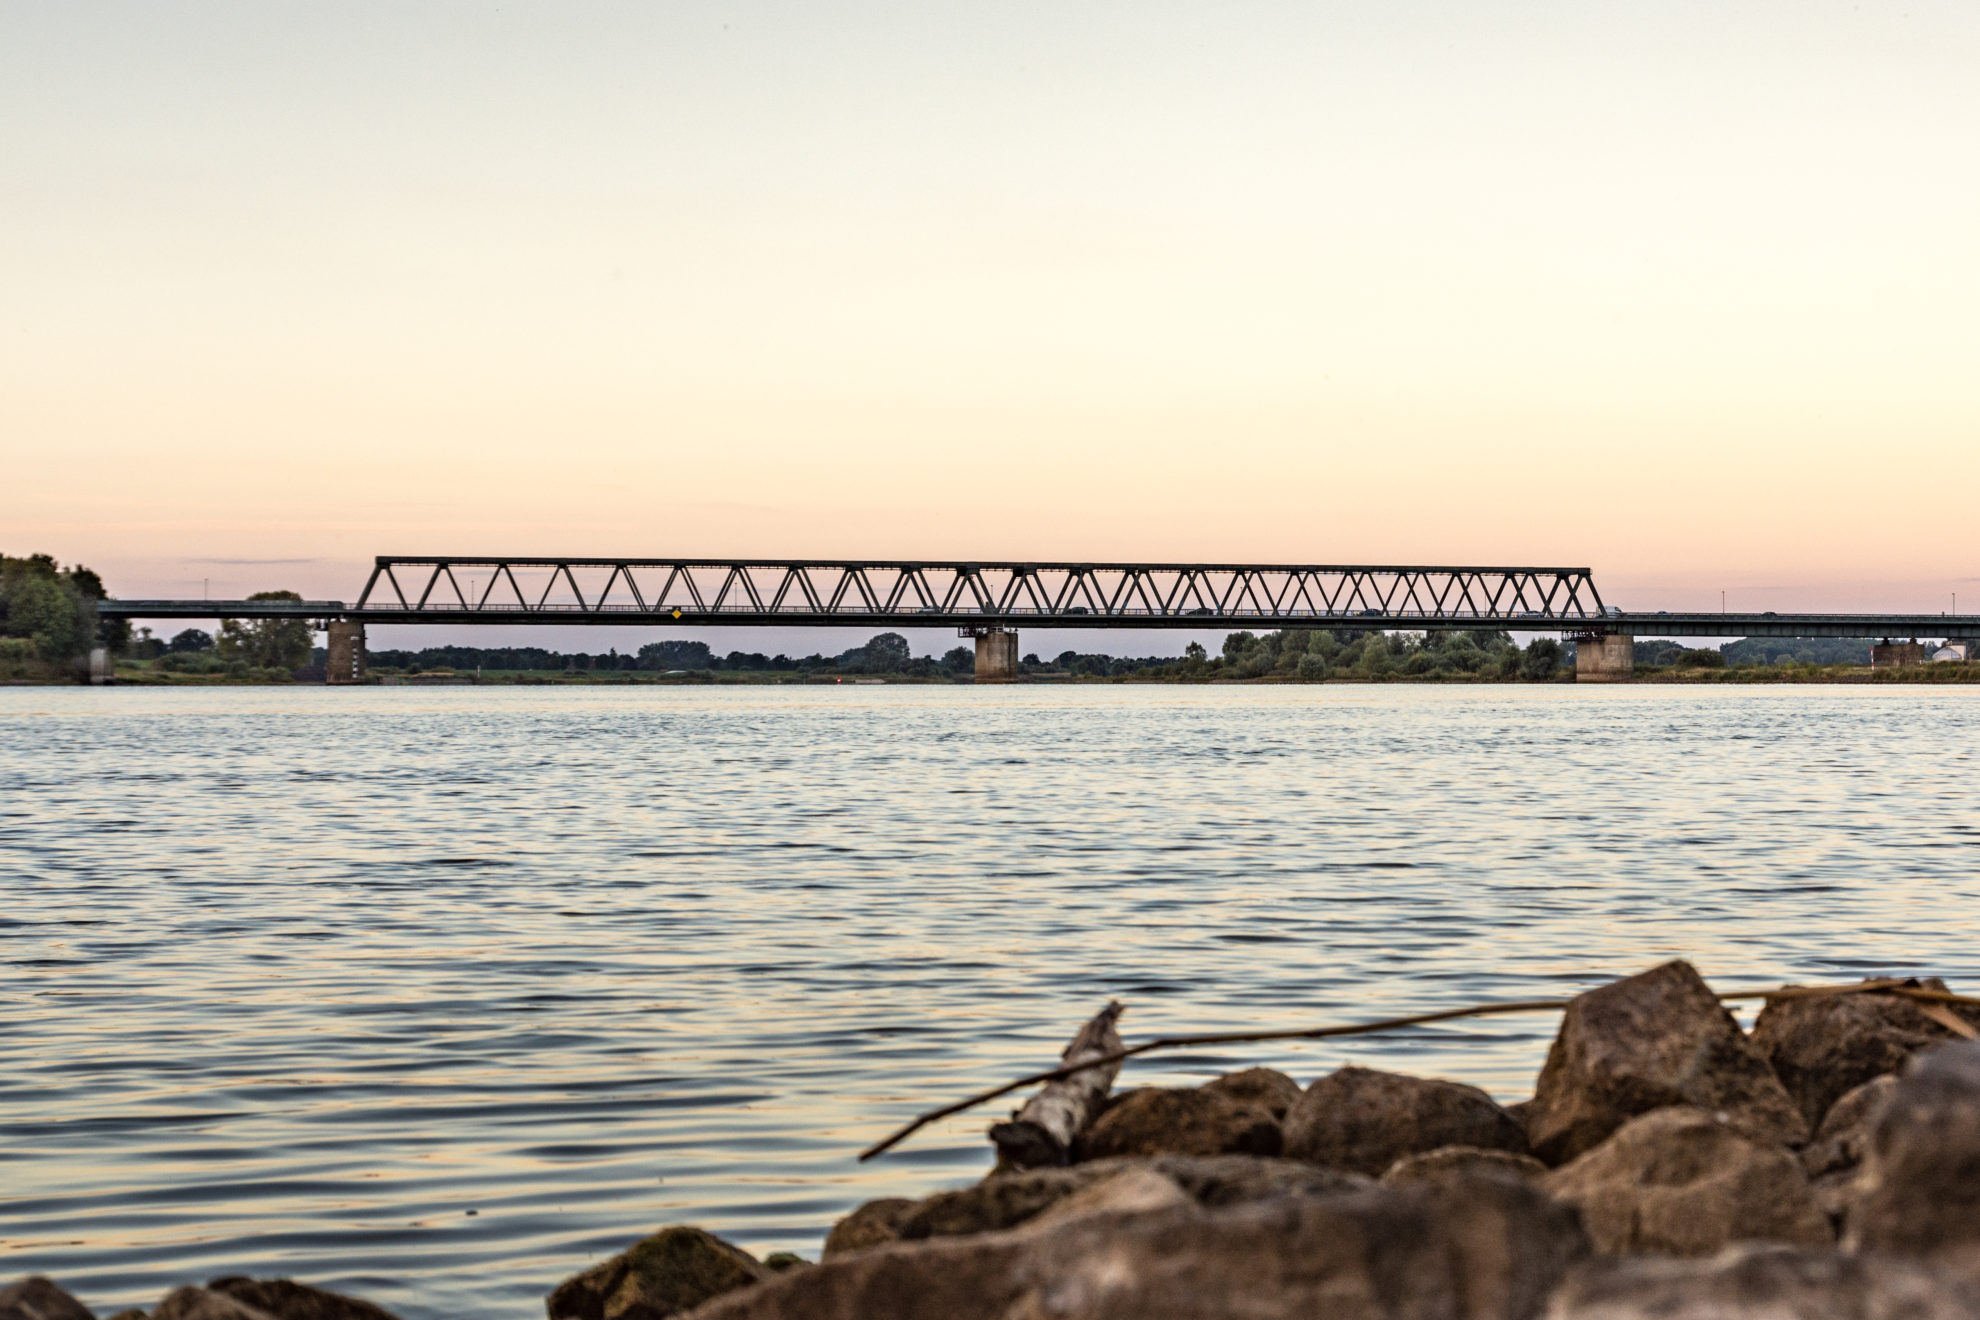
(436, 995)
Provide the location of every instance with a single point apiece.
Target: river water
(437, 995)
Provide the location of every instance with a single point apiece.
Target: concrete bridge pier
(1888, 654)
(1608, 658)
(346, 647)
(996, 656)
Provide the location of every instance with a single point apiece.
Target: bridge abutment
(996, 656)
(1610, 658)
(346, 647)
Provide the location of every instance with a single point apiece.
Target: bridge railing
(867, 590)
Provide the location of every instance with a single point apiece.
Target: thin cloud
(248, 561)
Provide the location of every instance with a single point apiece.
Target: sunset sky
(1683, 292)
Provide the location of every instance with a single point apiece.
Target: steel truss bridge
(984, 597)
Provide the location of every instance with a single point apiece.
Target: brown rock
(1919, 1188)
(1462, 1161)
(1652, 1041)
(1137, 1190)
(1758, 1283)
(1364, 1120)
(1001, 1201)
(1470, 1249)
(285, 1299)
(1845, 1132)
(673, 1271)
(1180, 1121)
(1267, 1088)
(869, 1226)
(1686, 1183)
(1220, 1180)
(39, 1298)
(204, 1304)
(1823, 1046)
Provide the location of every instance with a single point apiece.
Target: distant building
(1954, 651)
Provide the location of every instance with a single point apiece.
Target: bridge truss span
(970, 594)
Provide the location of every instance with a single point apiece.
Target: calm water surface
(435, 996)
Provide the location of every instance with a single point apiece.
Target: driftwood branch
(1115, 1058)
(1041, 1134)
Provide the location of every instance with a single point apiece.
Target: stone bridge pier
(996, 655)
(346, 647)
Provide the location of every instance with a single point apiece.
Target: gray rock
(1758, 1283)
(870, 1225)
(1919, 1188)
(1180, 1121)
(285, 1299)
(666, 1274)
(1364, 1121)
(1267, 1088)
(39, 1298)
(1468, 1249)
(1823, 1046)
(1464, 1161)
(1687, 1183)
(1652, 1041)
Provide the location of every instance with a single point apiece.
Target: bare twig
(1885, 986)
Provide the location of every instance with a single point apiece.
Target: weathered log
(1042, 1133)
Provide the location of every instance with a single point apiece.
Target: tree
(675, 654)
(960, 658)
(1195, 654)
(1542, 658)
(888, 653)
(52, 609)
(191, 639)
(1312, 667)
(267, 643)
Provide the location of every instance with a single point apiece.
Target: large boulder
(1470, 1249)
(1363, 1120)
(38, 1298)
(1684, 1182)
(1267, 1088)
(666, 1274)
(1758, 1283)
(1181, 1121)
(1918, 1193)
(1462, 1161)
(1652, 1041)
(285, 1299)
(1824, 1045)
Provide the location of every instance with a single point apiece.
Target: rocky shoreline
(1669, 1165)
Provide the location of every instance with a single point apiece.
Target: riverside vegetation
(1824, 1166)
